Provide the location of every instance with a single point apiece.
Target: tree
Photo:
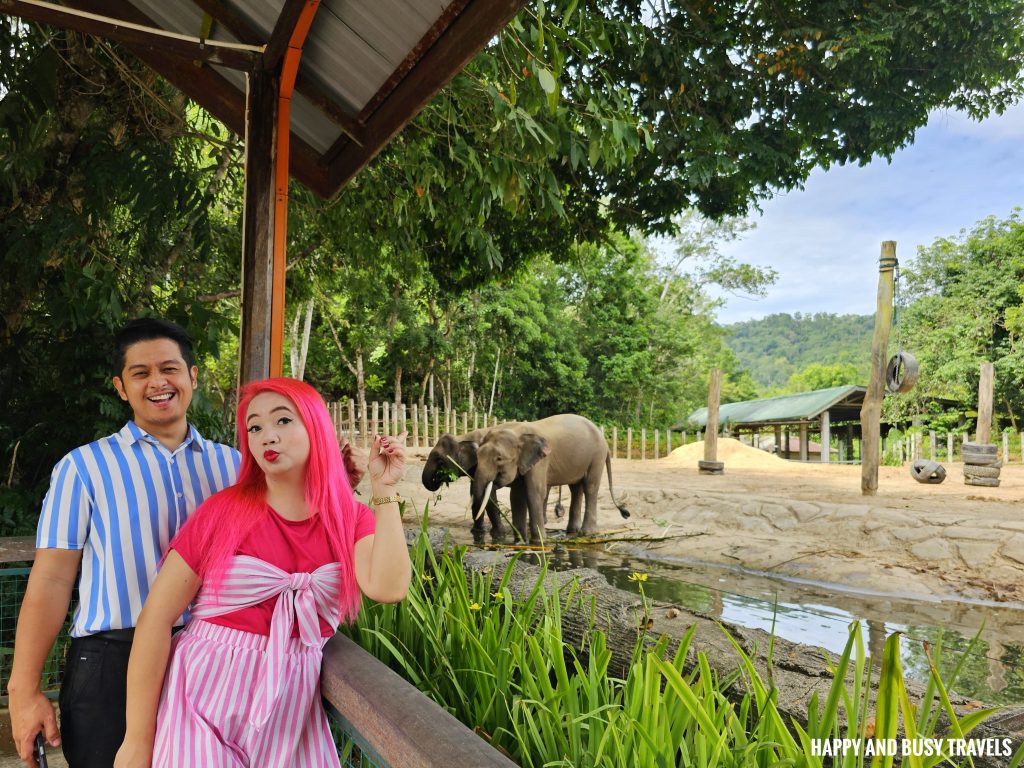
(964, 306)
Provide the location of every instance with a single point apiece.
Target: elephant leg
(590, 485)
(517, 497)
(535, 504)
(575, 508)
(494, 514)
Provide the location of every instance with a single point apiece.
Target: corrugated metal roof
(366, 67)
(802, 406)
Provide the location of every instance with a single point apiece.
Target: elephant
(457, 453)
(567, 449)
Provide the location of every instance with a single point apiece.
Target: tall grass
(498, 663)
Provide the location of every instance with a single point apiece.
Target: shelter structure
(317, 87)
(819, 412)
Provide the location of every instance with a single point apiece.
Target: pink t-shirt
(293, 546)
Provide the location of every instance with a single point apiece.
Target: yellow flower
(637, 576)
(474, 606)
(426, 577)
(497, 595)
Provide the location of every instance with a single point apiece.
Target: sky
(824, 240)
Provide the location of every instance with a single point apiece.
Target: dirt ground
(802, 520)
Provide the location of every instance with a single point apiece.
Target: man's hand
(348, 455)
(31, 713)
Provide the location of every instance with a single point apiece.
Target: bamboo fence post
(415, 426)
(465, 422)
(985, 403)
(949, 446)
(385, 418)
(1022, 447)
(476, 420)
(934, 456)
(629, 442)
(352, 421)
(437, 425)
(364, 421)
(615, 442)
(871, 410)
(426, 426)
(656, 441)
(405, 418)
(1006, 448)
(643, 443)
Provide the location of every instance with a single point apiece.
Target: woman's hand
(134, 754)
(387, 462)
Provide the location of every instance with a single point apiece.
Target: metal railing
(378, 719)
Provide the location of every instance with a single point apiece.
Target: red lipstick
(271, 456)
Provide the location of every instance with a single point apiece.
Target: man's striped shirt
(120, 500)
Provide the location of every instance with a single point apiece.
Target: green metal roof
(802, 406)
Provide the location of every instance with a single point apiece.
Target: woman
(273, 564)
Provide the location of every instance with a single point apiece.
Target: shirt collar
(132, 433)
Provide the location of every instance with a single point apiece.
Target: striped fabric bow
(250, 581)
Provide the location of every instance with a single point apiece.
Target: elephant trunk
(483, 501)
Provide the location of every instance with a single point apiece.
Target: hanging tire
(988, 482)
(926, 471)
(981, 459)
(989, 448)
(975, 470)
(901, 373)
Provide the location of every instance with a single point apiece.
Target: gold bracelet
(379, 500)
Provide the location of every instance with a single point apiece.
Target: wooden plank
(463, 38)
(985, 386)
(258, 230)
(711, 428)
(112, 25)
(404, 727)
(871, 410)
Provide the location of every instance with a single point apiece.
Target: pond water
(820, 614)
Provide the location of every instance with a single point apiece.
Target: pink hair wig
(226, 518)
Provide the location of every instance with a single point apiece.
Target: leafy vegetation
(820, 350)
(497, 661)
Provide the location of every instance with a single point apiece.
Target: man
(112, 507)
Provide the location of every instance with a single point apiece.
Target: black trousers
(92, 698)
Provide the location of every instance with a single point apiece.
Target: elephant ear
(466, 454)
(532, 448)
(446, 445)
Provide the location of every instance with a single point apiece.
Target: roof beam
(278, 43)
(465, 36)
(240, 27)
(232, 55)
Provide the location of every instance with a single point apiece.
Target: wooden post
(778, 439)
(657, 440)
(805, 449)
(386, 418)
(933, 440)
(949, 446)
(364, 422)
(1006, 447)
(426, 426)
(629, 442)
(615, 442)
(437, 425)
(871, 411)
(826, 440)
(985, 403)
(415, 425)
(711, 429)
(465, 422)
(643, 443)
(476, 420)
(352, 421)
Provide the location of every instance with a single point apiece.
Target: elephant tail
(611, 489)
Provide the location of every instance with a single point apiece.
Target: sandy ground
(802, 520)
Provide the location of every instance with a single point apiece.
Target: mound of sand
(731, 451)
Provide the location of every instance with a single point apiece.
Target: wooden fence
(426, 425)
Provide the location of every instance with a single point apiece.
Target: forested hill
(776, 347)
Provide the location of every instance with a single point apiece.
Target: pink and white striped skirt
(209, 691)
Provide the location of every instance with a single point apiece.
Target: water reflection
(820, 615)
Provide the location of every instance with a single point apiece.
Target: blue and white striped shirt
(120, 500)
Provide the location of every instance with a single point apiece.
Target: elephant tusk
(486, 497)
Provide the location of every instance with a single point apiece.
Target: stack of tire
(981, 464)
